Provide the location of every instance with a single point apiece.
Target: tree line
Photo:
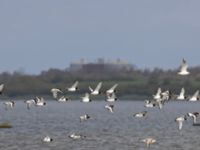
(133, 84)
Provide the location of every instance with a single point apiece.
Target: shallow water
(106, 131)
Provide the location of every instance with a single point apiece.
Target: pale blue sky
(40, 34)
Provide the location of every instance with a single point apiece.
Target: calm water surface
(107, 131)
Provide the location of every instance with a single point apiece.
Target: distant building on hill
(100, 65)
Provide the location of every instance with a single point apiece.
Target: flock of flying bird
(158, 100)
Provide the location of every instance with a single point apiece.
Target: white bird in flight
(195, 96)
(63, 99)
(110, 108)
(86, 98)
(158, 94)
(194, 116)
(112, 89)
(29, 103)
(96, 91)
(74, 87)
(184, 68)
(149, 141)
(55, 92)
(40, 101)
(180, 121)
(181, 96)
(9, 104)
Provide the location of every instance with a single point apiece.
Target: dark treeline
(134, 83)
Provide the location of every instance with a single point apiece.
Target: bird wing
(182, 93)
(110, 108)
(160, 104)
(113, 87)
(91, 89)
(158, 92)
(196, 94)
(180, 125)
(98, 86)
(191, 115)
(55, 92)
(194, 116)
(37, 99)
(75, 84)
(1, 87)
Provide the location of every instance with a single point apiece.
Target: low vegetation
(133, 84)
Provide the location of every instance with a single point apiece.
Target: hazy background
(37, 35)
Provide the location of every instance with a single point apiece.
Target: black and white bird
(29, 103)
(40, 101)
(112, 89)
(86, 98)
(180, 121)
(74, 87)
(165, 96)
(110, 108)
(1, 88)
(184, 68)
(140, 115)
(96, 91)
(181, 96)
(149, 141)
(111, 97)
(158, 94)
(150, 103)
(55, 92)
(9, 104)
(47, 139)
(195, 96)
(63, 99)
(84, 117)
(194, 116)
